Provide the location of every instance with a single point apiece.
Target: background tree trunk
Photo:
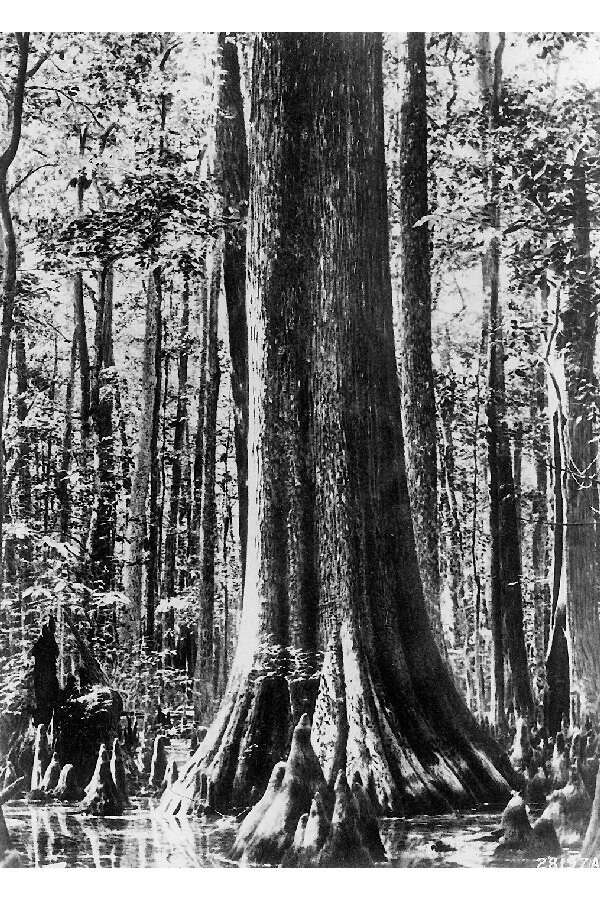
(178, 443)
(505, 566)
(231, 173)
(102, 542)
(154, 506)
(9, 274)
(63, 489)
(557, 657)
(133, 570)
(203, 678)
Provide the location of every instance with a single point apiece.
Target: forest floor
(57, 836)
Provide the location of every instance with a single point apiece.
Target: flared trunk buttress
(331, 560)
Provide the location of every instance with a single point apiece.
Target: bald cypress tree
(334, 621)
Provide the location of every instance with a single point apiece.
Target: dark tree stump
(84, 723)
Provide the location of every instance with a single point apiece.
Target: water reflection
(58, 836)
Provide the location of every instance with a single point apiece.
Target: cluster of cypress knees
(302, 821)
(559, 783)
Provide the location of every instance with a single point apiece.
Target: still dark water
(56, 836)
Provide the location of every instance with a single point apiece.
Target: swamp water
(57, 836)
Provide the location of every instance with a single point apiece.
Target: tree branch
(31, 172)
(38, 65)
(11, 151)
(72, 100)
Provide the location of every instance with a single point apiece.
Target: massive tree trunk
(505, 552)
(331, 559)
(136, 533)
(9, 274)
(578, 343)
(418, 398)
(231, 174)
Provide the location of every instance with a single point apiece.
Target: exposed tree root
(268, 830)
(413, 753)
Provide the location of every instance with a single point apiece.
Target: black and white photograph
(299, 449)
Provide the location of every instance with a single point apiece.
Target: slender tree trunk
(49, 494)
(154, 509)
(136, 533)
(517, 444)
(456, 544)
(62, 488)
(178, 444)
(557, 657)
(102, 542)
(418, 397)
(23, 462)
(331, 560)
(198, 470)
(84, 371)
(505, 567)
(539, 543)
(9, 274)
(231, 172)
(204, 676)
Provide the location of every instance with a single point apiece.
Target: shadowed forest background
(299, 427)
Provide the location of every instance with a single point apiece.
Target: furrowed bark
(418, 398)
(331, 561)
(578, 342)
